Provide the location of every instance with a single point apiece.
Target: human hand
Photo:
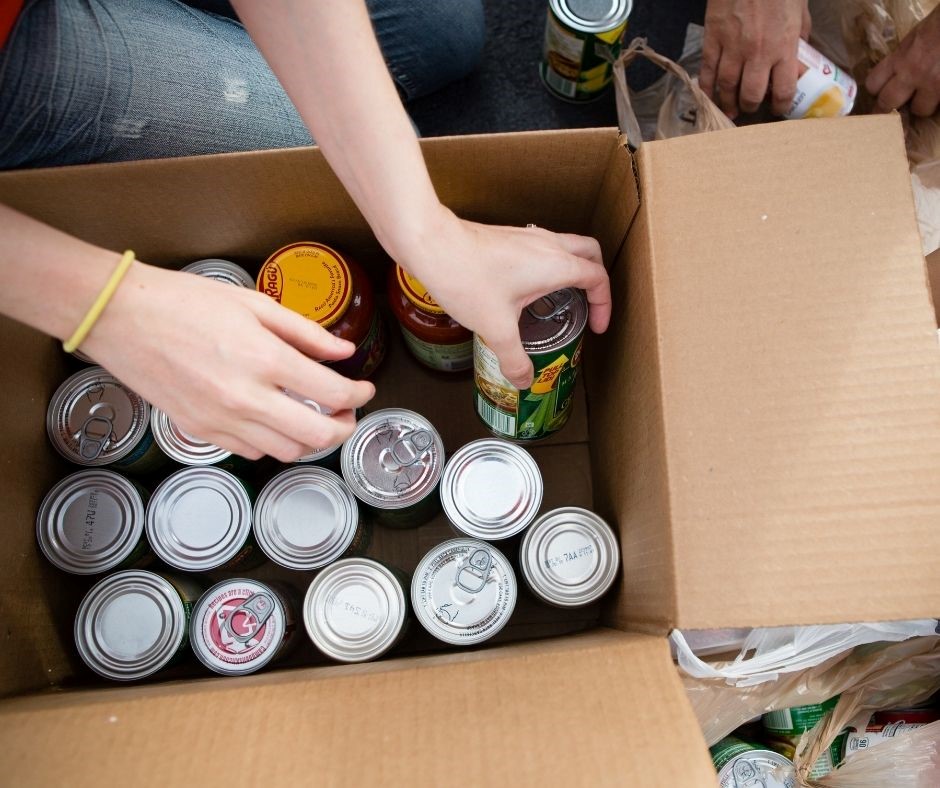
(747, 44)
(911, 72)
(216, 358)
(485, 275)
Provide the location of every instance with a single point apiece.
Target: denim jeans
(115, 80)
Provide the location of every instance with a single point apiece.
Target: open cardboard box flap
(764, 434)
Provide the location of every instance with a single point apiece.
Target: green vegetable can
(552, 329)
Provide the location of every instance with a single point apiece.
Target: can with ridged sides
(222, 271)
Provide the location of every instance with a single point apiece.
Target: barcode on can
(497, 420)
(778, 720)
(558, 83)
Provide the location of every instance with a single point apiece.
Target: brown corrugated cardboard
(933, 276)
(760, 425)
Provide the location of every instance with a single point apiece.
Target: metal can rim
(168, 602)
(574, 328)
(316, 616)
(170, 549)
(758, 752)
(541, 581)
(174, 444)
(620, 13)
(222, 271)
(50, 511)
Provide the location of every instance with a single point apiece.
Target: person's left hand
(911, 72)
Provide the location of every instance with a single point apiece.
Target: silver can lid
(592, 16)
(316, 455)
(554, 320)
(491, 489)
(199, 518)
(130, 625)
(765, 768)
(463, 591)
(222, 271)
(90, 522)
(355, 610)
(238, 626)
(394, 459)
(305, 517)
(94, 419)
(569, 557)
(181, 446)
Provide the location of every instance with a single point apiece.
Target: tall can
(569, 557)
(491, 489)
(133, 623)
(199, 519)
(222, 271)
(739, 763)
(552, 331)
(823, 90)
(306, 517)
(582, 39)
(463, 591)
(93, 419)
(92, 522)
(239, 626)
(393, 463)
(180, 446)
(356, 609)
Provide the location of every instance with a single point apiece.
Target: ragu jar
(321, 284)
(433, 337)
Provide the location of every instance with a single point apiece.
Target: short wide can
(742, 764)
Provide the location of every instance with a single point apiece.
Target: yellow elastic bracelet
(71, 345)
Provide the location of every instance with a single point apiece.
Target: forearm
(50, 279)
(326, 56)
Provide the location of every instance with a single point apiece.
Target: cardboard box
(761, 425)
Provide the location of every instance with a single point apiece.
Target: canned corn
(133, 623)
(551, 329)
(182, 447)
(741, 764)
(491, 489)
(393, 463)
(93, 521)
(239, 626)
(93, 419)
(222, 271)
(463, 591)
(306, 517)
(823, 90)
(582, 38)
(569, 557)
(200, 519)
(356, 610)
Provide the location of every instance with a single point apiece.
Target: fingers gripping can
(582, 37)
(552, 330)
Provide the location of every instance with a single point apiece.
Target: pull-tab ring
(557, 302)
(477, 567)
(90, 444)
(416, 443)
(258, 607)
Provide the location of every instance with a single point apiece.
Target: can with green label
(740, 763)
(582, 39)
(552, 329)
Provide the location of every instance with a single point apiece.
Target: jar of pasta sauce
(323, 285)
(433, 337)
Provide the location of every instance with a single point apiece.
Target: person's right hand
(748, 44)
(216, 359)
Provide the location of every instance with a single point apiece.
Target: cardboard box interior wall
(760, 425)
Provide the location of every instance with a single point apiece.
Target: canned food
(180, 446)
(328, 454)
(239, 626)
(433, 337)
(463, 591)
(569, 557)
(491, 489)
(393, 463)
(582, 39)
(355, 610)
(823, 90)
(825, 763)
(93, 419)
(796, 720)
(741, 764)
(307, 517)
(200, 519)
(133, 623)
(332, 289)
(876, 733)
(551, 329)
(222, 271)
(93, 521)
(922, 715)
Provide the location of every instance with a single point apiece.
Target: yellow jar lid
(416, 292)
(310, 279)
